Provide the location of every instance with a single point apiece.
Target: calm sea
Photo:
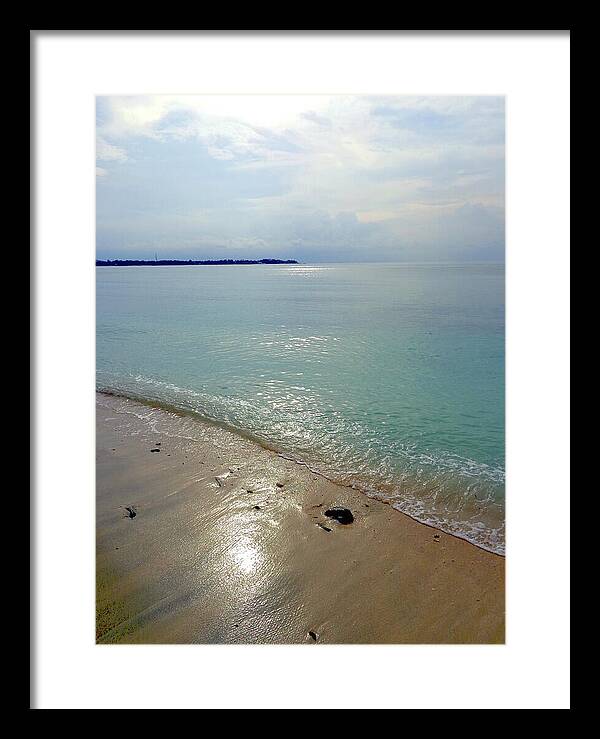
(387, 377)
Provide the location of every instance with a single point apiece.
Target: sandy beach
(204, 536)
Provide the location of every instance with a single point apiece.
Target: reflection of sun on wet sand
(217, 540)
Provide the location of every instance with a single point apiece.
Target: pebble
(341, 515)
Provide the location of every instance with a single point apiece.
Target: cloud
(106, 152)
(320, 120)
(315, 177)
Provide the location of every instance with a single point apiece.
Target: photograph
(300, 369)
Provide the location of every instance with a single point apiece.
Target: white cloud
(106, 152)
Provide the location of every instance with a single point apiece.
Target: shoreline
(367, 491)
(229, 543)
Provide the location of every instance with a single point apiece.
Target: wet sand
(214, 539)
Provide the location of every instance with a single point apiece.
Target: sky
(313, 178)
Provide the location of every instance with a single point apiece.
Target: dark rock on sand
(279, 484)
(155, 450)
(130, 511)
(325, 528)
(257, 508)
(313, 636)
(341, 515)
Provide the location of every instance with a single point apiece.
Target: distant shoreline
(185, 262)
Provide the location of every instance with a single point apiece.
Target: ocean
(385, 377)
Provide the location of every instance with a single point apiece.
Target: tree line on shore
(170, 262)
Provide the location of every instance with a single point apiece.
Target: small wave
(460, 497)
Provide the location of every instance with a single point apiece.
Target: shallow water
(386, 377)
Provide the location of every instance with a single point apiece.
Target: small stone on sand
(341, 515)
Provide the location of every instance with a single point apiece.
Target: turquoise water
(387, 377)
